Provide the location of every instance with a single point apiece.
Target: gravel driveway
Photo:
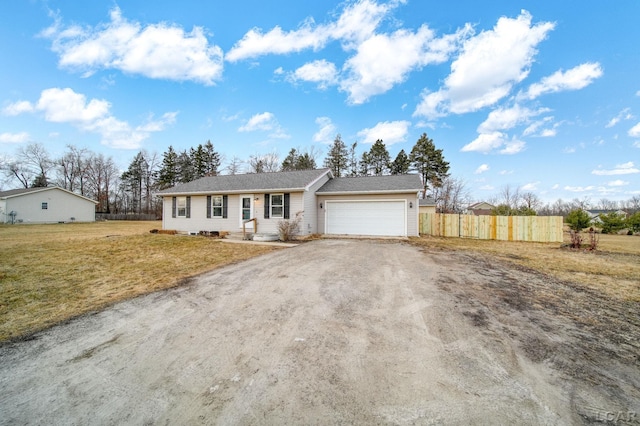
(329, 332)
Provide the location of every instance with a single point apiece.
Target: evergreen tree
(212, 160)
(401, 164)
(428, 162)
(168, 175)
(337, 157)
(132, 180)
(365, 164)
(290, 161)
(305, 162)
(186, 169)
(379, 159)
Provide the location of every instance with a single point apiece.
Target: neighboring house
(45, 205)
(376, 205)
(480, 209)
(427, 205)
(595, 214)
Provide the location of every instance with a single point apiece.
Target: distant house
(45, 205)
(595, 214)
(427, 205)
(479, 209)
(374, 205)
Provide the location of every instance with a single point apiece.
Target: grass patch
(51, 273)
(614, 269)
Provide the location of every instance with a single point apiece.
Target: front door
(246, 210)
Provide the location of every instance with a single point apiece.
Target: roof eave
(226, 192)
(372, 192)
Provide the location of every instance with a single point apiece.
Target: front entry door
(246, 210)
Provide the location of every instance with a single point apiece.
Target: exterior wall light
(410, 205)
(320, 205)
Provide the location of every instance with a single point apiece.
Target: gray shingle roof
(20, 191)
(427, 201)
(365, 184)
(254, 182)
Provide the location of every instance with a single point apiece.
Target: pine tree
(168, 175)
(401, 164)
(379, 158)
(353, 160)
(290, 161)
(337, 157)
(212, 160)
(186, 169)
(429, 163)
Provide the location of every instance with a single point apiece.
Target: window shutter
(225, 198)
(267, 200)
(173, 206)
(188, 207)
(287, 201)
(208, 206)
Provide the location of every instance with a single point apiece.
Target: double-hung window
(45, 206)
(216, 206)
(181, 206)
(277, 205)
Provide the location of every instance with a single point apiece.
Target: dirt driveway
(329, 332)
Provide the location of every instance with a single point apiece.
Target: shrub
(578, 220)
(289, 228)
(612, 222)
(633, 222)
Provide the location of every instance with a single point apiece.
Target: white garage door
(366, 218)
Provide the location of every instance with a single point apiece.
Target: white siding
(310, 222)
(61, 207)
(199, 221)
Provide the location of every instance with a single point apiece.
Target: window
(277, 205)
(216, 206)
(45, 206)
(181, 206)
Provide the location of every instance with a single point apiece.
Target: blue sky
(539, 95)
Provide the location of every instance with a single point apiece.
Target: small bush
(578, 220)
(289, 228)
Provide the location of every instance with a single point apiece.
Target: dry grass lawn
(614, 269)
(50, 273)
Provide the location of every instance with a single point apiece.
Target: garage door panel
(366, 218)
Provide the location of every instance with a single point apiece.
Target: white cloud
(265, 122)
(569, 150)
(14, 137)
(514, 146)
(618, 182)
(485, 142)
(18, 108)
(356, 23)
(531, 186)
(574, 79)
(622, 115)
(619, 169)
(384, 60)
(482, 168)
(507, 118)
(322, 72)
(327, 131)
(547, 133)
(634, 132)
(389, 131)
(579, 188)
(161, 51)
(66, 106)
(487, 68)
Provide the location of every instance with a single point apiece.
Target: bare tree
(264, 163)
(72, 169)
(530, 200)
(234, 167)
(451, 196)
(509, 196)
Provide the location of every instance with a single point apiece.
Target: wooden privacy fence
(542, 229)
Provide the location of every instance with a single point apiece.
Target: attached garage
(366, 217)
(371, 205)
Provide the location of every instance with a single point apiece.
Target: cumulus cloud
(487, 142)
(7, 138)
(531, 186)
(618, 182)
(634, 132)
(326, 132)
(67, 106)
(574, 79)
(625, 114)
(389, 131)
(489, 65)
(161, 51)
(356, 23)
(17, 108)
(579, 188)
(619, 169)
(264, 122)
(507, 118)
(482, 168)
(321, 72)
(371, 72)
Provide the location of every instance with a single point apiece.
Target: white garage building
(45, 205)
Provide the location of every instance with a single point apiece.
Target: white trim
(252, 213)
